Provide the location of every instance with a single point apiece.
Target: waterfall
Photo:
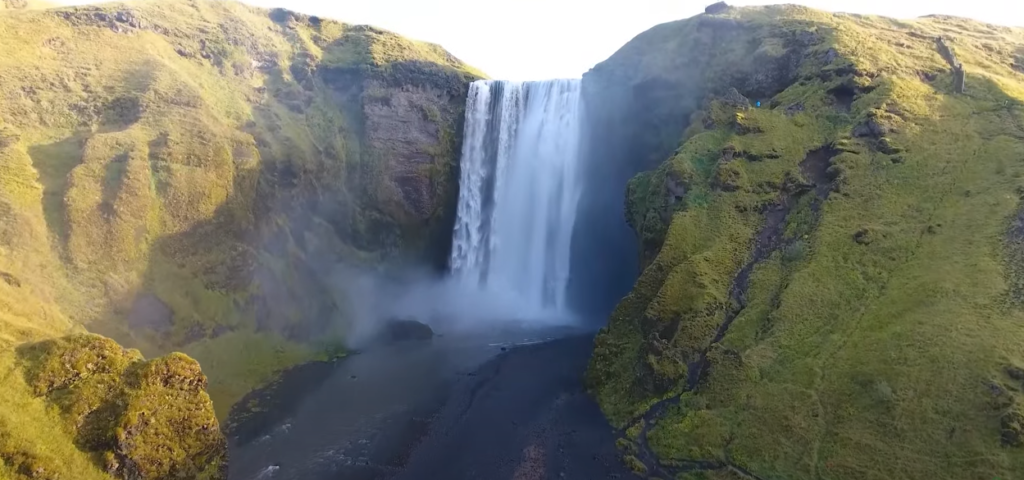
(519, 190)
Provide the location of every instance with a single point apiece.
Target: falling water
(519, 189)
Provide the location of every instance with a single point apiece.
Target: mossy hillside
(876, 340)
(31, 279)
(215, 168)
(34, 442)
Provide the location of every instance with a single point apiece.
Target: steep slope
(831, 283)
(187, 174)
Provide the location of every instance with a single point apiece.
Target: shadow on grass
(54, 162)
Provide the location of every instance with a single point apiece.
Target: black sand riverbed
(469, 408)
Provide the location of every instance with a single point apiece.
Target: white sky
(538, 39)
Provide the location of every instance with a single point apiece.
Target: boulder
(168, 428)
(1012, 429)
(405, 330)
(870, 128)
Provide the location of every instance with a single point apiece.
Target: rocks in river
(405, 330)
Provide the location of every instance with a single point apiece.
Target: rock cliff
(828, 230)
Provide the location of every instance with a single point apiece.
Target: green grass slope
(832, 280)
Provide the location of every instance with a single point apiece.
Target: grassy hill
(832, 252)
(184, 175)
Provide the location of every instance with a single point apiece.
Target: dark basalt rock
(716, 8)
(734, 98)
(1015, 373)
(280, 15)
(887, 146)
(1001, 397)
(959, 76)
(865, 236)
(1012, 429)
(130, 18)
(1018, 64)
(404, 330)
(830, 56)
(870, 128)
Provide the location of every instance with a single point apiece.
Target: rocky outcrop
(716, 8)
(144, 419)
(401, 330)
(959, 76)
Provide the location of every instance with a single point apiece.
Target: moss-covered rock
(140, 419)
(802, 301)
(1012, 428)
(168, 428)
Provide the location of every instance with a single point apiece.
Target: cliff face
(829, 252)
(187, 175)
(203, 181)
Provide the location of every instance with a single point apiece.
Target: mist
(450, 305)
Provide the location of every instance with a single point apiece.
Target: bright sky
(538, 39)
